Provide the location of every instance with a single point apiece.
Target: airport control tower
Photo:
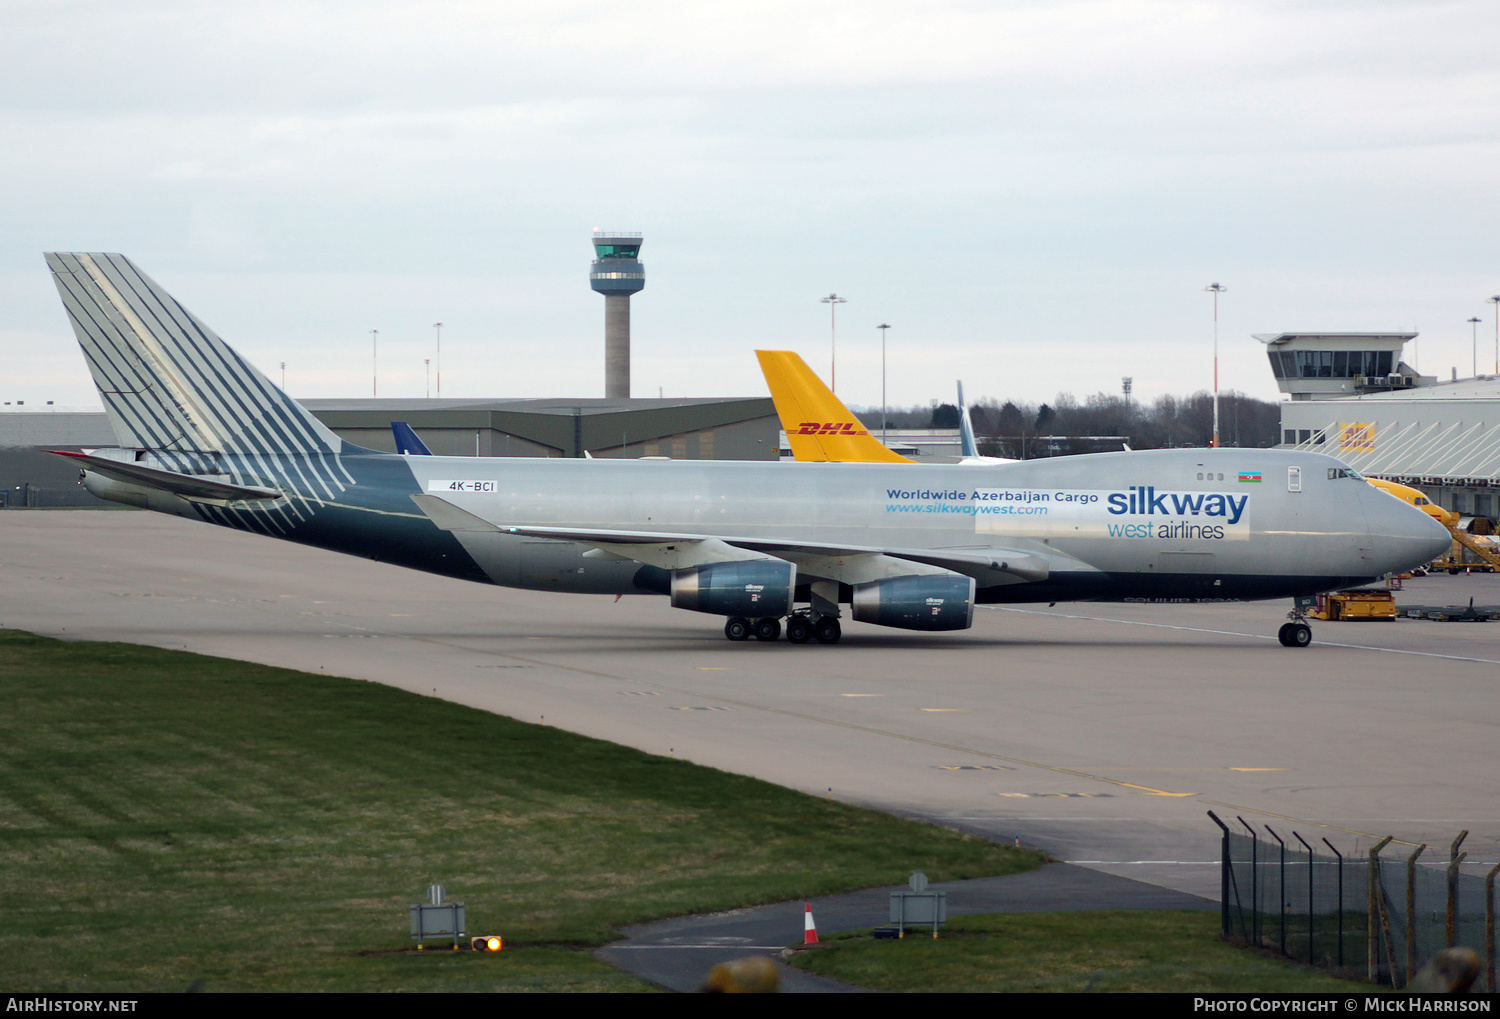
(617, 273)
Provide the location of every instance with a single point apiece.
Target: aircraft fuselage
(1169, 525)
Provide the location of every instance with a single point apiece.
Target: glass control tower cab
(617, 273)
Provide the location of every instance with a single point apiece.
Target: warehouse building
(688, 429)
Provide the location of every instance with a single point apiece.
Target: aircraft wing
(187, 486)
(849, 564)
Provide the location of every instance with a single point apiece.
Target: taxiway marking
(1236, 633)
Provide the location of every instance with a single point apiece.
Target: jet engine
(755, 588)
(917, 603)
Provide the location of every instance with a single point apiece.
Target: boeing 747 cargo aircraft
(204, 435)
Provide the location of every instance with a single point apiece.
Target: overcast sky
(1031, 195)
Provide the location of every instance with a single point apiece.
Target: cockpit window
(1334, 473)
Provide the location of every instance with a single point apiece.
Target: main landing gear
(740, 628)
(801, 627)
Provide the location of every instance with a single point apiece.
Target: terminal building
(1352, 396)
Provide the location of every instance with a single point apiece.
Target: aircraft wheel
(798, 631)
(737, 628)
(827, 631)
(1295, 635)
(767, 629)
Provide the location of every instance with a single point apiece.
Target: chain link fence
(1380, 917)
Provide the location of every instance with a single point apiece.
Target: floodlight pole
(1216, 289)
(374, 361)
(1474, 344)
(833, 301)
(438, 326)
(882, 327)
(1496, 302)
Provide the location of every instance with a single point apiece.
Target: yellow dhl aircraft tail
(818, 426)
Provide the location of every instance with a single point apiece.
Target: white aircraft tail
(967, 445)
(167, 381)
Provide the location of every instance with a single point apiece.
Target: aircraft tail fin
(407, 440)
(966, 443)
(818, 426)
(167, 380)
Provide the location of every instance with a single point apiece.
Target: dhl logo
(829, 428)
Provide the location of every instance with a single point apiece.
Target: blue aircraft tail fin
(167, 380)
(967, 445)
(407, 442)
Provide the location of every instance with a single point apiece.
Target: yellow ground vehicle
(1353, 605)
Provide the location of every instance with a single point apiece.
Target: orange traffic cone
(809, 929)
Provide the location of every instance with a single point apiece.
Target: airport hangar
(1354, 397)
(685, 429)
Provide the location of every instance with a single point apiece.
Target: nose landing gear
(1297, 633)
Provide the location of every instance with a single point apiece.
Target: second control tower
(617, 273)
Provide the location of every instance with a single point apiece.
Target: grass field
(1113, 950)
(169, 820)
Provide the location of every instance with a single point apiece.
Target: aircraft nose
(1403, 537)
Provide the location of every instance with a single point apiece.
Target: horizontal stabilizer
(186, 486)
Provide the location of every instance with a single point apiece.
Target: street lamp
(1216, 289)
(833, 301)
(1474, 343)
(882, 327)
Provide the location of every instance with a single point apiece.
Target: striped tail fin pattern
(171, 386)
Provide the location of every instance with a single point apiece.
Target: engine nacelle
(754, 588)
(917, 603)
